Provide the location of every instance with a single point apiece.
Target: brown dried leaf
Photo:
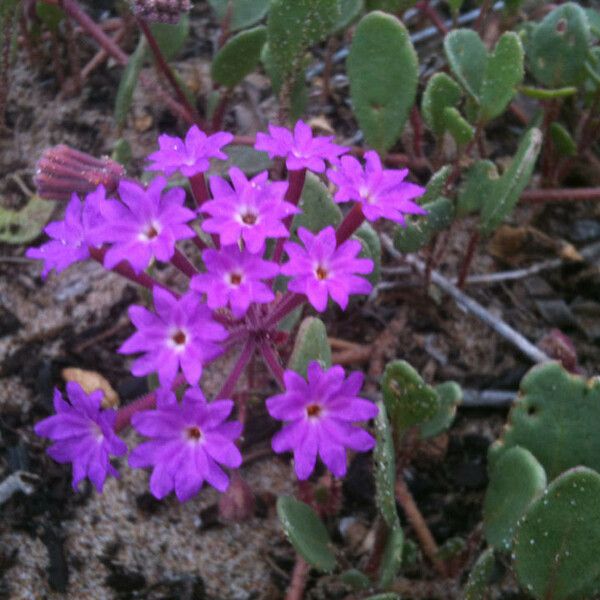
(91, 381)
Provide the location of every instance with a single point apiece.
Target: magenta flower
(190, 156)
(383, 193)
(83, 434)
(251, 211)
(300, 149)
(234, 277)
(182, 334)
(320, 269)
(72, 236)
(319, 415)
(145, 225)
(189, 441)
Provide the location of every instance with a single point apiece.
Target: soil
(123, 544)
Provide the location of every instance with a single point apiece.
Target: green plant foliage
(129, 81)
(384, 460)
(24, 225)
(384, 596)
(451, 548)
(171, 38)
(311, 344)
(420, 229)
(562, 140)
(457, 126)
(467, 57)
(435, 185)
(238, 57)
(350, 10)
(593, 17)
(543, 94)
(246, 158)
(49, 14)
(295, 25)
(245, 13)
(556, 418)
(478, 183)
(318, 208)
(503, 73)
(122, 152)
(356, 579)
(408, 399)
(556, 547)
(371, 244)
(478, 583)
(450, 395)
(306, 533)
(383, 72)
(559, 47)
(441, 92)
(506, 190)
(516, 480)
(395, 7)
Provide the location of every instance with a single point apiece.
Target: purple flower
(234, 276)
(251, 211)
(319, 415)
(190, 156)
(383, 193)
(83, 434)
(145, 225)
(320, 269)
(189, 441)
(72, 236)
(300, 149)
(182, 334)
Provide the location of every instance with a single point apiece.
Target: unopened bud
(62, 171)
(237, 503)
(162, 11)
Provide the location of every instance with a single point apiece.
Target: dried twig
(19, 481)
(471, 306)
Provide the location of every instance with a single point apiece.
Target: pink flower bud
(163, 11)
(237, 503)
(62, 171)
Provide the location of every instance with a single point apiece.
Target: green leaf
(318, 208)
(559, 47)
(450, 395)
(503, 73)
(384, 596)
(311, 344)
(245, 13)
(435, 185)
(391, 560)
(478, 584)
(122, 152)
(390, 6)
(383, 72)
(467, 57)
(478, 185)
(295, 25)
(419, 229)
(246, 158)
(384, 459)
(556, 548)
(238, 57)
(350, 10)
(356, 579)
(50, 15)
(508, 189)
(306, 533)
(171, 38)
(516, 480)
(24, 225)
(408, 399)
(371, 245)
(562, 140)
(455, 6)
(457, 126)
(556, 418)
(128, 82)
(441, 92)
(541, 94)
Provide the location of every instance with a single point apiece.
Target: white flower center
(235, 278)
(178, 339)
(150, 231)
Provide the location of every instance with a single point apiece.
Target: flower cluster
(233, 299)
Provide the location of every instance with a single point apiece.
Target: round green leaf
(467, 57)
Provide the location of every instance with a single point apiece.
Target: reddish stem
(220, 110)
(284, 308)
(166, 70)
(298, 582)
(181, 262)
(199, 189)
(238, 369)
(350, 224)
(432, 14)
(468, 259)
(272, 361)
(125, 270)
(292, 195)
(560, 195)
(417, 126)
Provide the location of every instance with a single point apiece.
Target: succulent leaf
(245, 13)
(441, 92)
(311, 344)
(467, 57)
(450, 395)
(478, 583)
(24, 225)
(318, 208)
(371, 244)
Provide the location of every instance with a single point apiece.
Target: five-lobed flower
(82, 433)
(319, 413)
(180, 334)
(188, 442)
(322, 269)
